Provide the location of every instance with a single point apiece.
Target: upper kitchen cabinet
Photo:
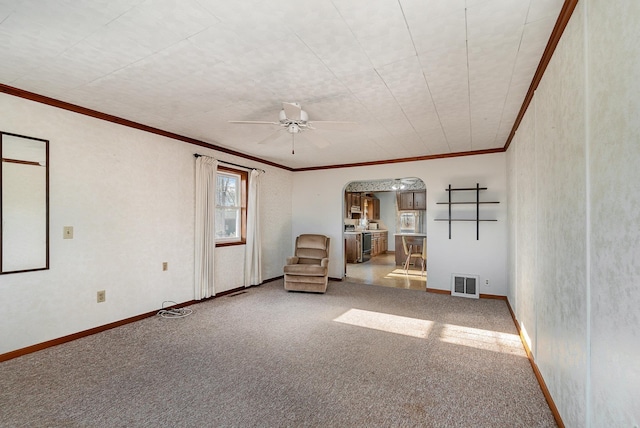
(376, 209)
(372, 206)
(353, 204)
(412, 200)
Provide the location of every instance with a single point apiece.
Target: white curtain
(206, 168)
(253, 256)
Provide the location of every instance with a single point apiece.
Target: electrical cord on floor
(173, 312)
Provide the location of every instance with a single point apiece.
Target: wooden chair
(408, 251)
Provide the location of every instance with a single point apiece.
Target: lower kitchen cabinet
(354, 247)
(379, 242)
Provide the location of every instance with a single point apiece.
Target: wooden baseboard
(438, 291)
(54, 342)
(272, 279)
(536, 371)
(482, 296)
(493, 296)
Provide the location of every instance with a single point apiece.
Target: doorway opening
(377, 216)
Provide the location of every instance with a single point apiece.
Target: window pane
(227, 223)
(230, 200)
(227, 190)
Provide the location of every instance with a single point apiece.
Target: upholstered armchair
(308, 270)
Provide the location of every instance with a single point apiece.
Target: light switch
(67, 232)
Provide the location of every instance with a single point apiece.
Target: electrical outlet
(67, 232)
(486, 282)
(165, 265)
(102, 296)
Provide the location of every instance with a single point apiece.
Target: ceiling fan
(294, 120)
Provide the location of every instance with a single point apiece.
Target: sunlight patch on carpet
(386, 322)
(482, 339)
(414, 275)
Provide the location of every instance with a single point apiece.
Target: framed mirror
(24, 205)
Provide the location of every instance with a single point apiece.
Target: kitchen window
(231, 206)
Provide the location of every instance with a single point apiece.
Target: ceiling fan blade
(292, 111)
(332, 125)
(271, 137)
(253, 122)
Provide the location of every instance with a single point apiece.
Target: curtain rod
(197, 155)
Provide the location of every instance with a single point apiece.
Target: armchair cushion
(306, 269)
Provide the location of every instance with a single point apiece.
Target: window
(231, 206)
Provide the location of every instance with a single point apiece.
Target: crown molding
(561, 23)
(21, 93)
(400, 160)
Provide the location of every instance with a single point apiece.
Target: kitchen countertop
(352, 232)
(410, 234)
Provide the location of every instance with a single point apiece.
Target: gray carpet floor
(357, 356)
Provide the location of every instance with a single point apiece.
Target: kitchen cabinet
(412, 200)
(420, 200)
(379, 243)
(367, 206)
(347, 205)
(354, 247)
(405, 200)
(376, 209)
(356, 200)
(353, 204)
(375, 244)
(372, 206)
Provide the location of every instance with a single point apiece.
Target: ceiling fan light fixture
(397, 185)
(293, 128)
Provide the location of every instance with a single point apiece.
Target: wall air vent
(465, 285)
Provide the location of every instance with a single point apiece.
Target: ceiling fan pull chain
(292, 151)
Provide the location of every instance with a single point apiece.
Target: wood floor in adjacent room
(382, 270)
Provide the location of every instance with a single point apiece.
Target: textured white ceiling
(421, 77)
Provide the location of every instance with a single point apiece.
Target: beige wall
(130, 197)
(574, 212)
(318, 207)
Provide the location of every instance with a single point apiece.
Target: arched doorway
(377, 214)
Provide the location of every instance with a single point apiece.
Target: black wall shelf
(477, 203)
